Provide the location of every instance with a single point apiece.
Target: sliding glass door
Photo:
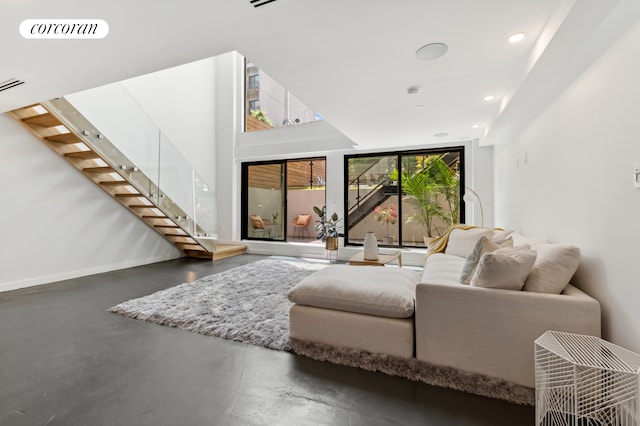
(405, 198)
(278, 199)
(265, 200)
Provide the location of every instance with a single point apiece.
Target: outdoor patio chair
(301, 225)
(260, 226)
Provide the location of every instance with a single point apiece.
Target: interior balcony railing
(134, 161)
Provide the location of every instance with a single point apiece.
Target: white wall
(182, 102)
(568, 178)
(178, 101)
(57, 223)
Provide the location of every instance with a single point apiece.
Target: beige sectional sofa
(517, 289)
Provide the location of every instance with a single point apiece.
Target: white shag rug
(249, 304)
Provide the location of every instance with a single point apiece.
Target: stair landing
(227, 250)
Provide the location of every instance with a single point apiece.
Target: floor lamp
(468, 199)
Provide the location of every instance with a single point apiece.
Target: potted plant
(434, 191)
(327, 228)
(386, 215)
(260, 115)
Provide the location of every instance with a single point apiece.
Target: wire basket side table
(585, 381)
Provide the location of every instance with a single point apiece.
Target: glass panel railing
(205, 208)
(167, 177)
(175, 179)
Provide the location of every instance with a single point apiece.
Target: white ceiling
(352, 60)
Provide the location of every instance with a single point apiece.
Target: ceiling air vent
(258, 3)
(8, 84)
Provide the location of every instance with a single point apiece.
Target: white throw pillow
(554, 267)
(519, 239)
(462, 241)
(505, 268)
(503, 237)
(483, 245)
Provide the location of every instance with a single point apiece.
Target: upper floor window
(268, 104)
(253, 81)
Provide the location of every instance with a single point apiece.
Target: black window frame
(423, 151)
(244, 195)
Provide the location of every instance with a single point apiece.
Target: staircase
(368, 203)
(72, 137)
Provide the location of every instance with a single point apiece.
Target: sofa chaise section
(360, 307)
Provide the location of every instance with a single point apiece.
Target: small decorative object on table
(386, 215)
(370, 246)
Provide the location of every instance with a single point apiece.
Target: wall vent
(258, 3)
(8, 84)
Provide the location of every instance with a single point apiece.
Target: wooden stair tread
(155, 217)
(130, 196)
(115, 183)
(44, 120)
(186, 237)
(166, 226)
(64, 138)
(102, 169)
(190, 246)
(141, 206)
(85, 155)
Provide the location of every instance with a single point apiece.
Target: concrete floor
(64, 360)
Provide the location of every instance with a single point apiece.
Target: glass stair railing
(144, 171)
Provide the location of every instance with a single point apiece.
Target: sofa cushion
(372, 290)
(553, 269)
(483, 245)
(462, 241)
(505, 268)
(519, 240)
(442, 268)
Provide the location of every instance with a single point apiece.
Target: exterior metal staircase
(76, 140)
(367, 204)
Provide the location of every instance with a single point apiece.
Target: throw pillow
(519, 239)
(505, 268)
(482, 246)
(303, 219)
(462, 241)
(554, 267)
(503, 238)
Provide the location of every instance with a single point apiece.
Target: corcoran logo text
(64, 28)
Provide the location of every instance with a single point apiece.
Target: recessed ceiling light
(441, 135)
(489, 98)
(433, 51)
(419, 106)
(475, 126)
(516, 37)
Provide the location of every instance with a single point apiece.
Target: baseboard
(49, 279)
